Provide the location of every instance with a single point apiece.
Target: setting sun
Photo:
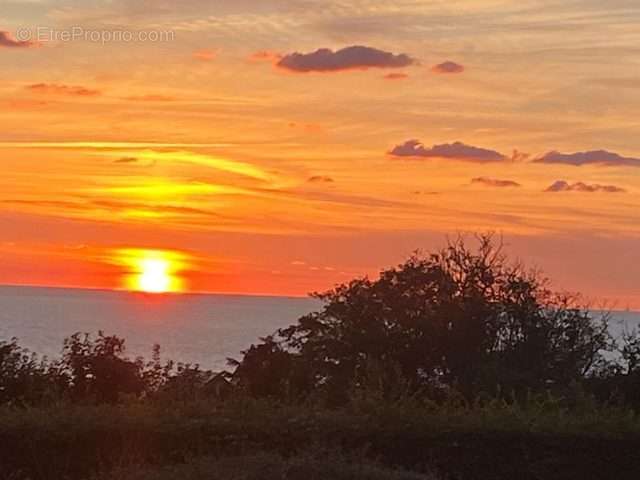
(154, 277)
(152, 271)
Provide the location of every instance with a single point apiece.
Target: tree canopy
(461, 318)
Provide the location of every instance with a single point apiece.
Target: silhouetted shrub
(25, 379)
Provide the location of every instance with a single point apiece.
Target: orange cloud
(150, 98)
(308, 127)
(494, 182)
(26, 104)
(205, 55)
(8, 41)
(265, 56)
(59, 89)
(320, 179)
(126, 160)
(448, 67)
(395, 76)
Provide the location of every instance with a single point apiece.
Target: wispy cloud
(396, 76)
(265, 56)
(126, 160)
(114, 206)
(164, 189)
(205, 54)
(109, 145)
(58, 89)
(494, 182)
(184, 156)
(349, 58)
(150, 98)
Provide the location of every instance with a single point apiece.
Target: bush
(492, 440)
(25, 379)
(264, 466)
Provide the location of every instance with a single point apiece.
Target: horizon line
(151, 295)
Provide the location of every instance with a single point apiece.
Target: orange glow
(153, 271)
(283, 183)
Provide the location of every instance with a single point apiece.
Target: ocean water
(203, 329)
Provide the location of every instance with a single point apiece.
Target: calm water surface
(204, 329)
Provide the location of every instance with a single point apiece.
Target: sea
(192, 328)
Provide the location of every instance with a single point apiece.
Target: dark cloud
(563, 186)
(493, 182)
(396, 76)
(596, 157)
(57, 89)
(349, 58)
(320, 179)
(448, 67)
(457, 151)
(126, 160)
(7, 41)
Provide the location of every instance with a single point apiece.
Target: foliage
(535, 439)
(618, 381)
(94, 370)
(265, 466)
(26, 379)
(97, 369)
(457, 318)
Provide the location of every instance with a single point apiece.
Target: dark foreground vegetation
(455, 365)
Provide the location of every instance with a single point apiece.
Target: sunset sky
(281, 147)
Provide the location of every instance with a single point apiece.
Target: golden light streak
(110, 145)
(168, 189)
(239, 168)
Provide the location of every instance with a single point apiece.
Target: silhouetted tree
(463, 318)
(617, 381)
(98, 370)
(268, 370)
